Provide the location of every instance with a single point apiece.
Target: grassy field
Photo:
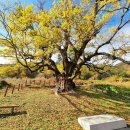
(41, 109)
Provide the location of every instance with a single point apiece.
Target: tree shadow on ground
(116, 99)
(90, 107)
(128, 125)
(11, 115)
(74, 104)
(112, 93)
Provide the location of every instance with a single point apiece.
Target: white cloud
(4, 60)
(126, 29)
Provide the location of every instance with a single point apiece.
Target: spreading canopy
(68, 35)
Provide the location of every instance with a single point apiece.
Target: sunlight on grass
(46, 111)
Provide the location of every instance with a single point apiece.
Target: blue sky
(47, 5)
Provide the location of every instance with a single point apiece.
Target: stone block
(102, 122)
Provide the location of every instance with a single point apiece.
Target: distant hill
(7, 64)
(123, 66)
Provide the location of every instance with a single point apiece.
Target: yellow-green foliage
(8, 71)
(115, 78)
(84, 70)
(47, 72)
(60, 67)
(14, 70)
(32, 30)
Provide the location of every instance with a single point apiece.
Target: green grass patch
(113, 90)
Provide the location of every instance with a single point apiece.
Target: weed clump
(3, 83)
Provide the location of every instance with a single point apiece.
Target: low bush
(112, 90)
(86, 76)
(3, 83)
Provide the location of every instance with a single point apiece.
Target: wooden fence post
(44, 83)
(40, 82)
(13, 89)
(26, 82)
(49, 84)
(18, 87)
(6, 92)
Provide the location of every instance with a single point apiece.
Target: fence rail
(28, 83)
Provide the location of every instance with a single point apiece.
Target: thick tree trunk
(64, 85)
(69, 85)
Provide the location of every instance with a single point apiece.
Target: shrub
(86, 76)
(110, 90)
(3, 83)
